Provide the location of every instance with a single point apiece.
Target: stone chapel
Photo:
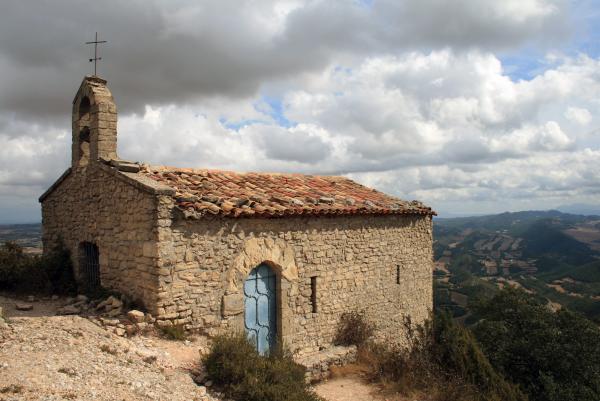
(280, 256)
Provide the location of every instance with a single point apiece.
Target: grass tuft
(174, 333)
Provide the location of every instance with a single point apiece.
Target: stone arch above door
(276, 253)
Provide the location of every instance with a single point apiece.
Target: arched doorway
(260, 308)
(89, 266)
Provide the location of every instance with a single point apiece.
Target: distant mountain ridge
(552, 254)
(580, 208)
(27, 235)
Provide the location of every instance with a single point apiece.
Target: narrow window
(313, 293)
(397, 274)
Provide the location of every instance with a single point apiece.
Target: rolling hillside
(548, 253)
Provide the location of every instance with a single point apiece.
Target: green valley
(552, 255)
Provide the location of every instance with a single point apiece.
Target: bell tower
(94, 123)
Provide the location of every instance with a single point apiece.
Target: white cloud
(578, 115)
(386, 123)
(410, 97)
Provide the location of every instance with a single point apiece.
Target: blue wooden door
(260, 308)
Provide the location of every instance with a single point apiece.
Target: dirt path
(353, 388)
(349, 388)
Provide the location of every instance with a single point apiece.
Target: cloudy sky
(471, 106)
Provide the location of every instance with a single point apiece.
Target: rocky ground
(46, 357)
(99, 354)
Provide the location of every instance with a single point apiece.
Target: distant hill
(508, 220)
(552, 254)
(29, 236)
(580, 208)
(545, 237)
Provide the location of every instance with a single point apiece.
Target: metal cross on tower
(96, 58)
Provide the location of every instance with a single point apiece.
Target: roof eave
(55, 185)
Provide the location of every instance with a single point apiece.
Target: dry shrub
(176, 332)
(234, 365)
(443, 360)
(353, 329)
(51, 273)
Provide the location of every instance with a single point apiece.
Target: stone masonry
(182, 242)
(355, 260)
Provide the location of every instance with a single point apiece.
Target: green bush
(234, 365)
(443, 359)
(353, 329)
(553, 356)
(59, 270)
(51, 273)
(456, 351)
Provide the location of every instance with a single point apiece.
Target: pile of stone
(109, 314)
(122, 323)
(111, 307)
(199, 376)
(81, 304)
(75, 306)
(135, 322)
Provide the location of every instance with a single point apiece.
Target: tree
(553, 356)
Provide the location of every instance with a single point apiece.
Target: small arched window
(84, 106)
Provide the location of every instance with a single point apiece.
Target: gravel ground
(69, 357)
(49, 357)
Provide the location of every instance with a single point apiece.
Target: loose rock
(23, 306)
(82, 298)
(135, 316)
(68, 310)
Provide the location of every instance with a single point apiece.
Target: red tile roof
(200, 192)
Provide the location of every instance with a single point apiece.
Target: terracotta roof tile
(202, 192)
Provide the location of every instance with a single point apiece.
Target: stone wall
(355, 259)
(93, 203)
(318, 366)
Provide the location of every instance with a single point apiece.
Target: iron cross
(96, 58)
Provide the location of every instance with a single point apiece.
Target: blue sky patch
(275, 110)
(237, 125)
